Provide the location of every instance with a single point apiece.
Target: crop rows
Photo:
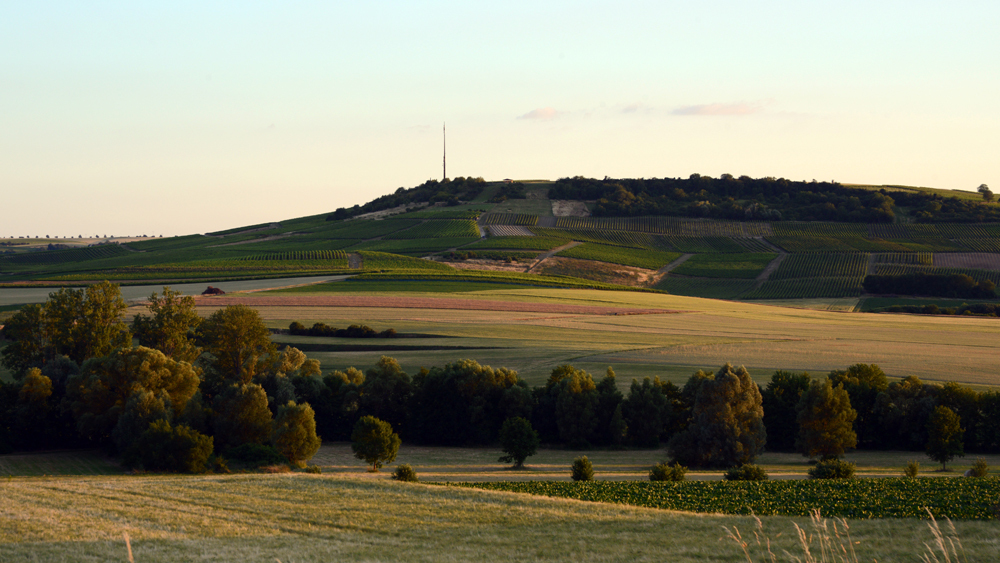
(613, 238)
(299, 255)
(707, 288)
(815, 229)
(801, 288)
(967, 230)
(674, 226)
(902, 231)
(364, 228)
(754, 245)
(414, 246)
(747, 265)
(67, 255)
(509, 219)
(510, 231)
(904, 269)
(445, 213)
(954, 498)
(704, 244)
(921, 258)
(804, 243)
(813, 265)
(981, 244)
(496, 277)
(639, 258)
(518, 243)
(371, 260)
(439, 229)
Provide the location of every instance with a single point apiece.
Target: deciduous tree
(374, 442)
(294, 433)
(826, 421)
(518, 441)
(944, 436)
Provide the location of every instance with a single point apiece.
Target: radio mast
(444, 157)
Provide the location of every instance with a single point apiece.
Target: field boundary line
(546, 255)
(771, 267)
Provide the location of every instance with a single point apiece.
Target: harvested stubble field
(583, 330)
(301, 517)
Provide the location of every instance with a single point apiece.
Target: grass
(717, 288)
(300, 517)
(746, 266)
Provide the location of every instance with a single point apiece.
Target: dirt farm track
(397, 302)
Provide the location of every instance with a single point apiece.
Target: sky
(171, 118)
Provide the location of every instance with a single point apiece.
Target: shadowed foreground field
(301, 517)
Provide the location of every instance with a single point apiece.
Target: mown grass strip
(746, 266)
(955, 498)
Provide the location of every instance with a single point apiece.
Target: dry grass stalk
(949, 547)
(128, 545)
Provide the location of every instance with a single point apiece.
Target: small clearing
(489, 265)
(569, 208)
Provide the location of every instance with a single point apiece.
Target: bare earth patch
(402, 302)
(388, 212)
(569, 208)
(490, 265)
(974, 260)
(598, 271)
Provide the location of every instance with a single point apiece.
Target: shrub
(277, 468)
(582, 469)
(980, 468)
(255, 455)
(294, 433)
(746, 472)
(313, 469)
(665, 472)
(832, 469)
(166, 448)
(911, 469)
(405, 473)
(218, 464)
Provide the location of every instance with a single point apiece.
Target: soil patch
(569, 208)
(598, 271)
(974, 260)
(490, 265)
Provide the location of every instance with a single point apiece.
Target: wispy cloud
(636, 108)
(719, 109)
(541, 114)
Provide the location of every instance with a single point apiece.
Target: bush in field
(912, 469)
(374, 442)
(582, 469)
(518, 440)
(666, 472)
(746, 472)
(255, 455)
(832, 469)
(294, 433)
(405, 473)
(166, 448)
(980, 468)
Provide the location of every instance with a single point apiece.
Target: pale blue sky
(173, 118)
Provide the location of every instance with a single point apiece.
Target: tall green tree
(576, 405)
(945, 434)
(374, 442)
(242, 416)
(385, 393)
(646, 411)
(98, 394)
(826, 421)
(239, 346)
(28, 342)
(518, 441)
(727, 426)
(170, 326)
(780, 402)
(86, 323)
(609, 400)
(294, 433)
(863, 383)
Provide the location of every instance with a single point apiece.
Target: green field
(649, 259)
(300, 517)
(746, 266)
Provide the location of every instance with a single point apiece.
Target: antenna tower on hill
(444, 158)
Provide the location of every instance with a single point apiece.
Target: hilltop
(728, 238)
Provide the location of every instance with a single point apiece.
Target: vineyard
(853, 265)
(384, 261)
(903, 269)
(707, 288)
(496, 277)
(613, 238)
(439, 229)
(673, 226)
(363, 228)
(803, 288)
(921, 258)
(746, 266)
(955, 498)
(810, 243)
(414, 246)
(509, 231)
(518, 243)
(509, 219)
(299, 255)
(62, 256)
(446, 213)
(640, 258)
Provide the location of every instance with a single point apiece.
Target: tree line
(215, 385)
(958, 286)
(449, 191)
